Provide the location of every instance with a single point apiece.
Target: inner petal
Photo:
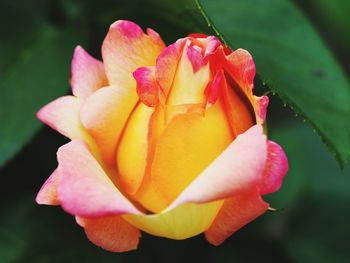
(187, 146)
(188, 86)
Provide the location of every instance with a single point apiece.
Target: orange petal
(188, 145)
(88, 73)
(239, 109)
(236, 212)
(112, 233)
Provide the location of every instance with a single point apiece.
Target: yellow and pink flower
(167, 140)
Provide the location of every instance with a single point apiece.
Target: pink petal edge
(87, 74)
(84, 189)
(276, 168)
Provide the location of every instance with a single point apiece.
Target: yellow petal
(182, 222)
(188, 145)
(133, 148)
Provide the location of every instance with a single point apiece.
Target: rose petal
(48, 193)
(236, 170)
(275, 169)
(236, 212)
(194, 54)
(188, 86)
(187, 146)
(126, 48)
(147, 86)
(167, 63)
(88, 73)
(62, 115)
(242, 68)
(84, 189)
(182, 222)
(104, 115)
(239, 109)
(214, 87)
(112, 233)
(261, 108)
(133, 149)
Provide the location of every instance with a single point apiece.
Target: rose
(167, 140)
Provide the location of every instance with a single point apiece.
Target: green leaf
(39, 75)
(292, 60)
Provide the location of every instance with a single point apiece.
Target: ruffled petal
(126, 48)
(104, 115)
(88, 74)
(147, 86)
(112, 233)
(48, 192)
(238, 169)
(84, 188)
(275, 169)
(236, 212)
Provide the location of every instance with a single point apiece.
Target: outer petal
(48, 192)
(242, 68)
(182, 222)
(236, 170)
(236, 212)
(112, 233)
(275, 169)
(62, 115)
(84, 189)
(126, 48)
(104, 115)
(88, 73)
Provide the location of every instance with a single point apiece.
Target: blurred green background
(302, 53)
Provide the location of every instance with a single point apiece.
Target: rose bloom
(167, 140)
